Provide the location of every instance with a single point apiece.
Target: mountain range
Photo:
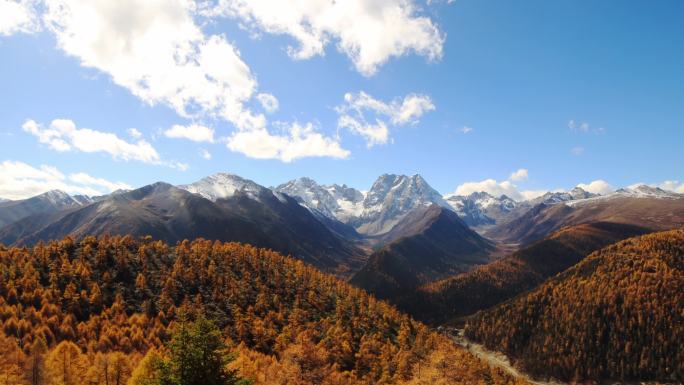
(335, 227)
(477, 260)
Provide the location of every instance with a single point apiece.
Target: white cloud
(669, 185)
(597, 187)
(296, 141)
(498, 188)
(368, 32)
(19, 180)
(672, 185)
(373, 133)
(490, 186)
(577, 151)
(466, 130)
(584, 127)
(531, 194)
(18, 16)
(62, 135)
(194, 132)
(157, 51)
(85, 179)
(178, 166)
(134, 133)
(268, 102)
(519, 175)
(205, 154)
(353, 114)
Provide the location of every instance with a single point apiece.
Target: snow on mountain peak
(645, 191)
(392, 197)
(481, 207)
(334, 201)
(60, 198)
(223, 185)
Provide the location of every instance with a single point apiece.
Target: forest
(107, 311)
(618, 314)
(491, 284)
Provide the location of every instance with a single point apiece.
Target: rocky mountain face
(334, 201)
(481, 208)
(46, 203)
(390, 199)
(374, 213)
(221, 207)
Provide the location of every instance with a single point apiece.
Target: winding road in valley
(496, 359)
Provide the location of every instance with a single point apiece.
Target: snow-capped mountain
(333, 201)
(46, 203)
(641, 191)
(224, 185)
(392, 197)
(644, 191)
(552, 198)
(482, 208)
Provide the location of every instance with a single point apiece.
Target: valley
(354, 192)
(440, 260)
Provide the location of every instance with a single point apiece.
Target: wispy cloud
(466, 130)
(372, 118)
(584, 127)
(295, 141)
(62, 135)
(19, 180)
(206, 155)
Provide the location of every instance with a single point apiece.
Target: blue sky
(570, 91)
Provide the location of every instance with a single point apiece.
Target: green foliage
(197, 356)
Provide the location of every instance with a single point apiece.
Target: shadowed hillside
(618, 314)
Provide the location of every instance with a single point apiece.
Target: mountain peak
(391, 197)
(645, 191)
(223, 185)
(334, 201)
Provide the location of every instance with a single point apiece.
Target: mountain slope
(251, 215)
(481, 208)
(44, 204)
(391, 198)
(333, 201)
(491, 284)
(616, 315)
(430, 243)
(655, 212)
